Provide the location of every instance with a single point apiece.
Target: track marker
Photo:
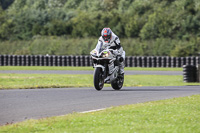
(89, 111)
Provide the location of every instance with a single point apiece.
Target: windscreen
(100, 47)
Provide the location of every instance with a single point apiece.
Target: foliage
(54, 45)
(148, 22)
(4, 4)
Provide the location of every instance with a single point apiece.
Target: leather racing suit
(117, 49)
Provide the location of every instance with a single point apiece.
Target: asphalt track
(22, 104)
(89, 72)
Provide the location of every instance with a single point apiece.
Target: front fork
(104, 69)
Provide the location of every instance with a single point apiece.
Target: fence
(131, 61)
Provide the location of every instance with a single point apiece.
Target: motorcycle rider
(108, 38)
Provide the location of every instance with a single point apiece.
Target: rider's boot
(107, 80)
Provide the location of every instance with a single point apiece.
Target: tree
(4, 4)
(158, 25)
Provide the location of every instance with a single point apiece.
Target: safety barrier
(160, 61)
(189, 73)
(131, 61)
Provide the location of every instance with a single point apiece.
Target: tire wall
(85, 60)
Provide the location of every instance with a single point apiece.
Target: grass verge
(81, 68)
(180, 115)
(31, 81)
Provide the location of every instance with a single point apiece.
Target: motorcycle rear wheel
(117, 84)
(98, 79)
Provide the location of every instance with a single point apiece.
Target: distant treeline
(148, 27)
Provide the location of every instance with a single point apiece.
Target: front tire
(118, 82)
(98, 78)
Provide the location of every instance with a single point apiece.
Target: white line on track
(89, 111)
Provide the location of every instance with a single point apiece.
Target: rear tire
(98, 78)
(117, 84)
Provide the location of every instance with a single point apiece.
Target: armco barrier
(131, 61)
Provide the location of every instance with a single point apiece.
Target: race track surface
(19, 105)
(90, 72)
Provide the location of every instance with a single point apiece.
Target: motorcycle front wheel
(98, 78)
(118, 82)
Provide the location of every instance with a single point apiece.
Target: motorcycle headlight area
(105, 54)
(93, 52)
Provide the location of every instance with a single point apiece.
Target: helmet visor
(107, 38)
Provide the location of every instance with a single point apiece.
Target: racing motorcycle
(106, 66)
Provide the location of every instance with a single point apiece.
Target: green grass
(81, 68)
(30, 81)
(177, 115)
(174, 115)
(27, 81)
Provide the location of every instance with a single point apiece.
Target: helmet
(106, 34)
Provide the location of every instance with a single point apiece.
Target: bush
(156, 27)
(54, 45)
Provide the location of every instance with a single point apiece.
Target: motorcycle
(106, 65)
